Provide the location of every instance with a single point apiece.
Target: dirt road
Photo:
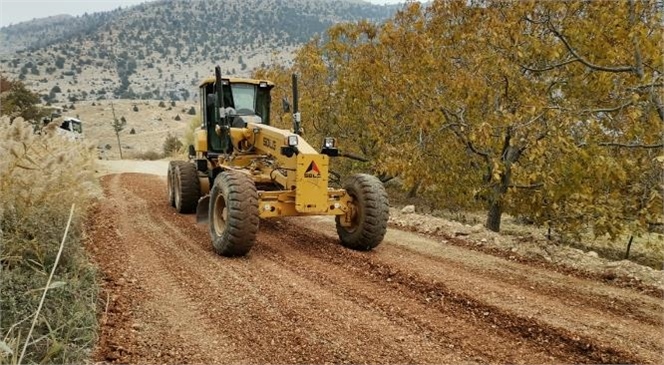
(299, 297)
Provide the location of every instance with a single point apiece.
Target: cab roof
(235, 80)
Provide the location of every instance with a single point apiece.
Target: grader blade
(203, 210)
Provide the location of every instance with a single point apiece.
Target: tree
(17, 101)
(613, 95)
(60, 62)
(514, 106)
(118, 126)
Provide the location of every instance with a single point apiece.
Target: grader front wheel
(233, 214)
(370, 213)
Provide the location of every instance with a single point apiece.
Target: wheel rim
(220, 215)
(355, 217)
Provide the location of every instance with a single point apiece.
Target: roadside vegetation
(41, 176)
(550, 112)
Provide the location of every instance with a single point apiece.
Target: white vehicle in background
(71, 128)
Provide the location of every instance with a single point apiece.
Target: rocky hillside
(162, 49)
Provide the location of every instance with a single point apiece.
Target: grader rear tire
(170, 181)
(187, 187)
(233, 214)
(369, 224)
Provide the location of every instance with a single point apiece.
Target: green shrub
(172, 145)
(41, 176)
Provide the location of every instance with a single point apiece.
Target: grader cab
(242, 170)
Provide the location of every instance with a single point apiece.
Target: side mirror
(285, 105)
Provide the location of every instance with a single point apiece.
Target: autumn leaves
(547, 110)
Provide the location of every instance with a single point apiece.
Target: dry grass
(148, 155)
(41, 176)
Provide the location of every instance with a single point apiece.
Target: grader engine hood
(311, 181)
(246, 119)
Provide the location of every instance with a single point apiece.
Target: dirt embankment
(299, 297)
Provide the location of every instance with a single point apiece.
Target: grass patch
(41, 176)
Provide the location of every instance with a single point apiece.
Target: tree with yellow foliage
(547, 110)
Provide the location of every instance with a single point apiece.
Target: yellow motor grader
(241, 170)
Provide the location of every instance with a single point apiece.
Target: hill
(148, 125)
(161, 50)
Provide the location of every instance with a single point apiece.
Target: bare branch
(506, 144)
(631, 145)
(550, 67)
(461, 122)
(647, 87)
(585, 61)
(529, 122)
(470, 145)
(658, 104)
(26, 167)
(638, 58)
(531, 20)
(609, 110)
(532, 186)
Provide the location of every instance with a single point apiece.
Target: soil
(300, 297)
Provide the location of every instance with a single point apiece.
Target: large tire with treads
(371, 204)
(170, 181)
(233, 214)
(187, 187)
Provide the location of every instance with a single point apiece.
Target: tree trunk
(119, 145)
(495, 212)
(496, 199)
(412, 193)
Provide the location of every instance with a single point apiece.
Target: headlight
(292, 140)
(329, 142)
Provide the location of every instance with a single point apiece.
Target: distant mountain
(42, 32)
(161, 50)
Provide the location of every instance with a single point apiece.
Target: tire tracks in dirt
(476, 303)
(299, 297)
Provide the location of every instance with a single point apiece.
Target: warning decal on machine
(312, 171)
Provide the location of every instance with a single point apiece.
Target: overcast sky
(16, 11)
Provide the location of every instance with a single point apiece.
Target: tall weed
(41, 176)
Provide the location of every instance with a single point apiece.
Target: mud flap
(203, 210)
